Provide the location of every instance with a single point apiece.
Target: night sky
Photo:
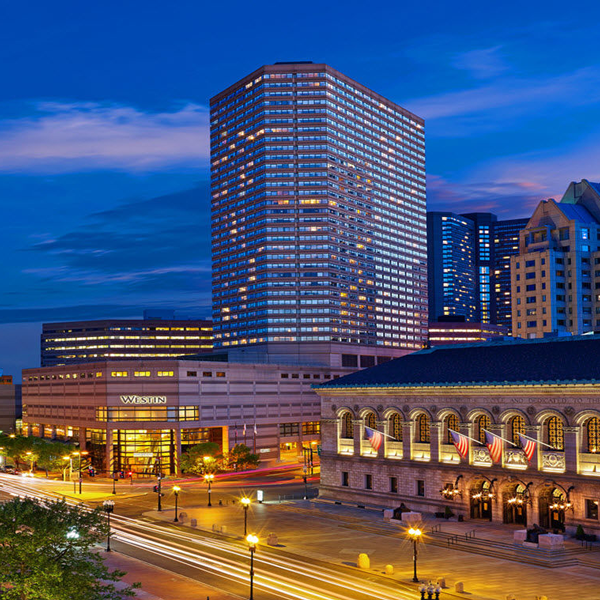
(104, 129)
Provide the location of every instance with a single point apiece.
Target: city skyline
(104, 179)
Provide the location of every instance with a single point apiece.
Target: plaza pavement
(337, 534)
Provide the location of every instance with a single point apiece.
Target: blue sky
(104, 129)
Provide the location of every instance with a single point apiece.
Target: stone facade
(559, 487)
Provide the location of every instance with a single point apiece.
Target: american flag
(494, 445)
(461, 443)
(375, 438)
(528, 446)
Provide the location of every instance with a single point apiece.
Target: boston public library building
(503, 431)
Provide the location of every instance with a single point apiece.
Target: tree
(50, 454)
(240, 458)
(202, 458)
(16, 447)
(46, 553)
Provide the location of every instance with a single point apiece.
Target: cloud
(497, 105)
(484, 63)
(71, 137)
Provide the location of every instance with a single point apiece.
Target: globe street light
(415, 536)
(209, 477)
(108, 506)
(246, 504)
(252, 543)
(176, 490)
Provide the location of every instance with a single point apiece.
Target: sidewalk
(337, 534)
(159, 584)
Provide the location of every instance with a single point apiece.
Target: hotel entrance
(141, 451)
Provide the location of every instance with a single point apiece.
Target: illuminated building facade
(453, 331)
(128, 414)
(545, 389)
(469, 266)
(318, 221)
(556, 275)
(9, 404)
(123, 339)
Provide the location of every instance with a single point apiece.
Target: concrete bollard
(223, 528)
(441, 582)
(273, 540)
(182, 516)
(389, 569)
(194, 522)
(363, 561)
(459, 587)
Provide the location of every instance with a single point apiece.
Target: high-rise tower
(318, 219)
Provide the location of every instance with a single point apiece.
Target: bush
(448, 512)
(580, 533)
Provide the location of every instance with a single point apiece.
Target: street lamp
(252, 543)
(246, 504)
(70, 459)
(176, 490)
(80, 455)
(415, 536)
(108, 506)
(30, 455)
(115, 475)
(209, 477)
(304, 476)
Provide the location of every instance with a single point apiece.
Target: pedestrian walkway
(337, 534)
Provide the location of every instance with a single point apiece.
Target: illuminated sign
(144, 399)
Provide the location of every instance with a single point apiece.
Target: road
(224, 564)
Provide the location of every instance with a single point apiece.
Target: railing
(393, 450)
(589, 463)
(421, 451)
(366, 449)
(345, 446)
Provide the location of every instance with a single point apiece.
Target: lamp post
(80, 455)
(108, 506)
(115, 475)
(304, 476)
(252, 542)
(245, 503)
(30, 455)
(176, 490)
(209, 477)
(70, 459)
(415, 536)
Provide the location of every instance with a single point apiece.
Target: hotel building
(546, 389)
(318, 220)
(123, 339)
(556, 275)
(130, 414)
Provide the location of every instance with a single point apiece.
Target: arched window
(481, 422)
(370, 420)
(422, 429)
(347, 427)
(396, 427)
(451, 423)
(593, 434)
(516, 425)
(555, 433)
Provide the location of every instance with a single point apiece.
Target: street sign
(143, 454)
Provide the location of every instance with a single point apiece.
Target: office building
(544, 389)
(123, 339)
(318, 221)
(130, 414)
(469, 266)
(454, 330)
(556, 275)
(9, 404)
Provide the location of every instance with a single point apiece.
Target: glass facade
(318, 220)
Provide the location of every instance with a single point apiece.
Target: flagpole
(538, 441)
(381, 432)
(498, 436)
(469, 438)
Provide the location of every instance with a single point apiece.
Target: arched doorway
(514, 504)
(552, 505)
(481, 501)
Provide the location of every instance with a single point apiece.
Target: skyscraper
(318, 220)
(556, 275)
(469, 266)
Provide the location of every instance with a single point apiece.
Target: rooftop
(565, 360)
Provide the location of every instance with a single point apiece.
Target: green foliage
(202, 458)
(241, 458)
(46, 553)
(580, 533)
(448, 512)
(47, 454)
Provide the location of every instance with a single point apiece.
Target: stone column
(53, 434)
(572, 447)
(435, 431)
(330, 435)
(384, 427)
(358, 430)
(407, 434)
(82, 441)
